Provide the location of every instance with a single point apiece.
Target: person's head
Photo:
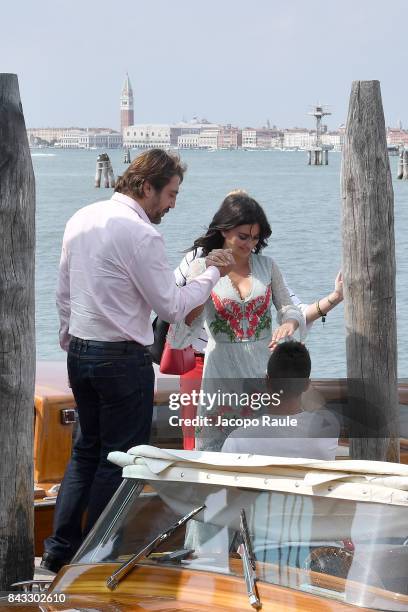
(239, 224)
(289, 369)
(153, 179)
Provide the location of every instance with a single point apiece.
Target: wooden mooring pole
(98, 173)
(104, 169)
(369, 278)
(400, 171)
(17, 339)
(405, 165)
(126, 157)
(318, 157)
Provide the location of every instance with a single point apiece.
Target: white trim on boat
(371, 481)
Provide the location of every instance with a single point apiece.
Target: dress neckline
(250, 275)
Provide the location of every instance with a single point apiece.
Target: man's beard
(156, 218)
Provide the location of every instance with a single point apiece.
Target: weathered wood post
(126, 157)
(110, 173)
(98, 173)
(17, 339)
(369, 277)
(400, 171)
(105, 170)
(405, 166)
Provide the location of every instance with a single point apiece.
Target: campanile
(126, 105)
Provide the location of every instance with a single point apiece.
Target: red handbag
(177, 361)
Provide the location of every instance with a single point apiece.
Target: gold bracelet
(330, 301)
(319, 310)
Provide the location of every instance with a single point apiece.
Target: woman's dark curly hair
(238, 208)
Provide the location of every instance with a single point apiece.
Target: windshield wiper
(113, 580)
(249, 564)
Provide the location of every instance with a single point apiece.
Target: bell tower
(126, 105)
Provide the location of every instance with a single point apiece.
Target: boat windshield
(354, 552)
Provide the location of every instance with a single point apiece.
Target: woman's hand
(283, 331)
(338, 287)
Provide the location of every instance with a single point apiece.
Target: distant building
(75, 137)
(89, 139)
(126, 105)
(208, 137)
(147, 136)
(397, 137)
(188, 127)
(267, 138)
(188, 141)
(46, 135)
(105, 140)
(334, 139)
(249, 138)
(260, 138)
(298, 138)
(229, 137)
(183, 129)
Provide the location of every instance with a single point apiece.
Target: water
(302, 203)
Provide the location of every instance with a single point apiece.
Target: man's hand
(283, 331)
(221, 259)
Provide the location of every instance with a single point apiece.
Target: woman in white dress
(237, 316)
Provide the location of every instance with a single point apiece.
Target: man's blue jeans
(113, 386)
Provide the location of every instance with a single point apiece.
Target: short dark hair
(289, 368)
(154, 165)
(238, 208)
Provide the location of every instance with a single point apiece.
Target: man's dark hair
(289, 368)
(155, 166)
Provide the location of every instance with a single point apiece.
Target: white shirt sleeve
(154, 280)
(298, 303)
(181, 272)
(182, 335)
(63, 300)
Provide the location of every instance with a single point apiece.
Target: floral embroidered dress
(239, 331)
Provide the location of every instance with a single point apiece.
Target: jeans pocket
(109, 369)
(123, 382)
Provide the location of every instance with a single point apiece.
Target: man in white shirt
(286, 430)
(113, 272)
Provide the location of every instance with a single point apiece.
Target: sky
(230, 61)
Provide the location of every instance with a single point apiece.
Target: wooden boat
(197, 530)
(55, 427)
